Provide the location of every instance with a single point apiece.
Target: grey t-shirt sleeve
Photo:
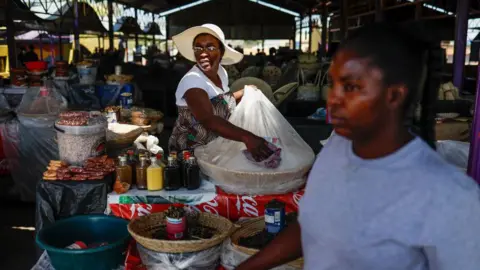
(451, 236)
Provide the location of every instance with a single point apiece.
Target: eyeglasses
(209, 49)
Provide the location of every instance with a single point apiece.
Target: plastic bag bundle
(40, 107)
(454, 152)
(204, 260)
(224, 162)
(232, 257)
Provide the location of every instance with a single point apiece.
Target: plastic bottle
(193, 174)
(172, 178)
(141, 172)
(124, 171)
(154, 176)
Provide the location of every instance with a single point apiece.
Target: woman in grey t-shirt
(379, 198)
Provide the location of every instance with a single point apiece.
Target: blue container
(274, 216)
(108, 94)
(89, 229)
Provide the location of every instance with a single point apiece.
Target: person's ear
(397, 95)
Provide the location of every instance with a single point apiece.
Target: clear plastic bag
(4, 107)
(454, 152)
(41, 106)
(223, 161)
(232, 257)
(203, 260)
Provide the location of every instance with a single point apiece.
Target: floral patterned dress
(188, 133)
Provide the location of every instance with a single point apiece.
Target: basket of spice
(256, 233)
(178, 231)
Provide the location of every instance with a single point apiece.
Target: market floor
(17, 235)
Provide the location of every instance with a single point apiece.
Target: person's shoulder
(222, 70)
(193, 78)
(441, 177)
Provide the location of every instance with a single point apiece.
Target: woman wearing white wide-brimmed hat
(203, 98)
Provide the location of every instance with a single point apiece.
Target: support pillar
(418, 9)
(301, 33)
(324, 18)
(110, 25)
(136, 34)
(343, 19)
(294, 47)
(12, 54)
(474, 155)
(77, 55)
(379, 11)
(310, 32)
(167, 34)
(153, 21)
(461, 27)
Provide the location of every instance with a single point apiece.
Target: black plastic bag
(61, 199)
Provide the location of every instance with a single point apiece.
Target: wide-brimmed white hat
(184, 43)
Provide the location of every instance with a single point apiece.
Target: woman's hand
(258, 147)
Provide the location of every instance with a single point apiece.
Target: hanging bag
(308, 91)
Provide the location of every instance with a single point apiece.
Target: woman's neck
(213, 76)
(388, 141)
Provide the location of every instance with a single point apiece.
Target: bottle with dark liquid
(193, 174)
(183, 167)
(172, 178)
(141, 172)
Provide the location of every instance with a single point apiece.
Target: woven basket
(252, 227)
(143, 228)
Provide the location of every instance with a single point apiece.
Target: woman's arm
(201, 107)
(285, 248)
(238, 95)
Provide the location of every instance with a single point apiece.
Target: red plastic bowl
(36, 65)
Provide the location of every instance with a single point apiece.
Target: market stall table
(207, 198)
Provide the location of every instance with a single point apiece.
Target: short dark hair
(399, 55)
(222, 47)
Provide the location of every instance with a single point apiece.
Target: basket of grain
(143, 230)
